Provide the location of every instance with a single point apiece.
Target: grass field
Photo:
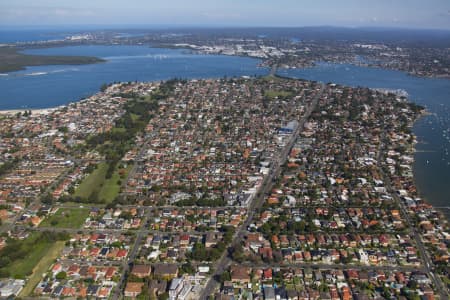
(111, 188)
(66, 218)
(92, 181)
(277, 94)
(42, 267)
(36, 249)
(107, 189)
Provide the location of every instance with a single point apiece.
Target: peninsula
(215, 188)
(12, 60)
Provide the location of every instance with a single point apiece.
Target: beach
(42, 111)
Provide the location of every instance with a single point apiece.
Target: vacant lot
(67, 218)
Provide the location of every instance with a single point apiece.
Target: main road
(225, 261)
(127, 263)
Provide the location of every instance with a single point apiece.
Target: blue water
(48, 86)
(14, 36)
(46, 33)
(432, 160)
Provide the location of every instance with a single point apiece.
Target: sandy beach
(42, 111)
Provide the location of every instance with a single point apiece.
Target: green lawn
(66, 218)
(92, 181)
(271, 78)
(134, 117)
(111, 188)
(42, 267)
(107, 189)
(280, 94)
(118, 130)
(35, 251)
(22, 256)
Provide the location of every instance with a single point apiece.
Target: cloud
(221, 16)
(41, 12)
(445, 14)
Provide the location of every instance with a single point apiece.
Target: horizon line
(212, 26)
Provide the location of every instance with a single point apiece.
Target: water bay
(49, 86)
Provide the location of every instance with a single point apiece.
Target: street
(224, 261)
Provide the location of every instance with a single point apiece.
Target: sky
(348, 13)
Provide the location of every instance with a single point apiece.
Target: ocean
(33, 34)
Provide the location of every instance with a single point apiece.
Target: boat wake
(50, 72)
(36, 74)
(153, 56)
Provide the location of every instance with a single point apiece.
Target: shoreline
(40, 111)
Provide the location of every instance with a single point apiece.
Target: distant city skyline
(349, 13)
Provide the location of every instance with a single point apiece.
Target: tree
(95, 196)
(323, 287)
(225, 276)
(63, 129)
(199, 252)
(126, 215)
(412, 284)
(237, 253)
(7, 166)
(145, 294)
(71, 190)
(4, 273)
(386, 293)
(103, 87)
(61, 275)
(188, 268)
(47, 199)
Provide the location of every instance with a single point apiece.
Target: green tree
(71, 190)
(61, 275)
(103, 87)
(47, 198)
(225, 276)
(188, 268)
(145, 294)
